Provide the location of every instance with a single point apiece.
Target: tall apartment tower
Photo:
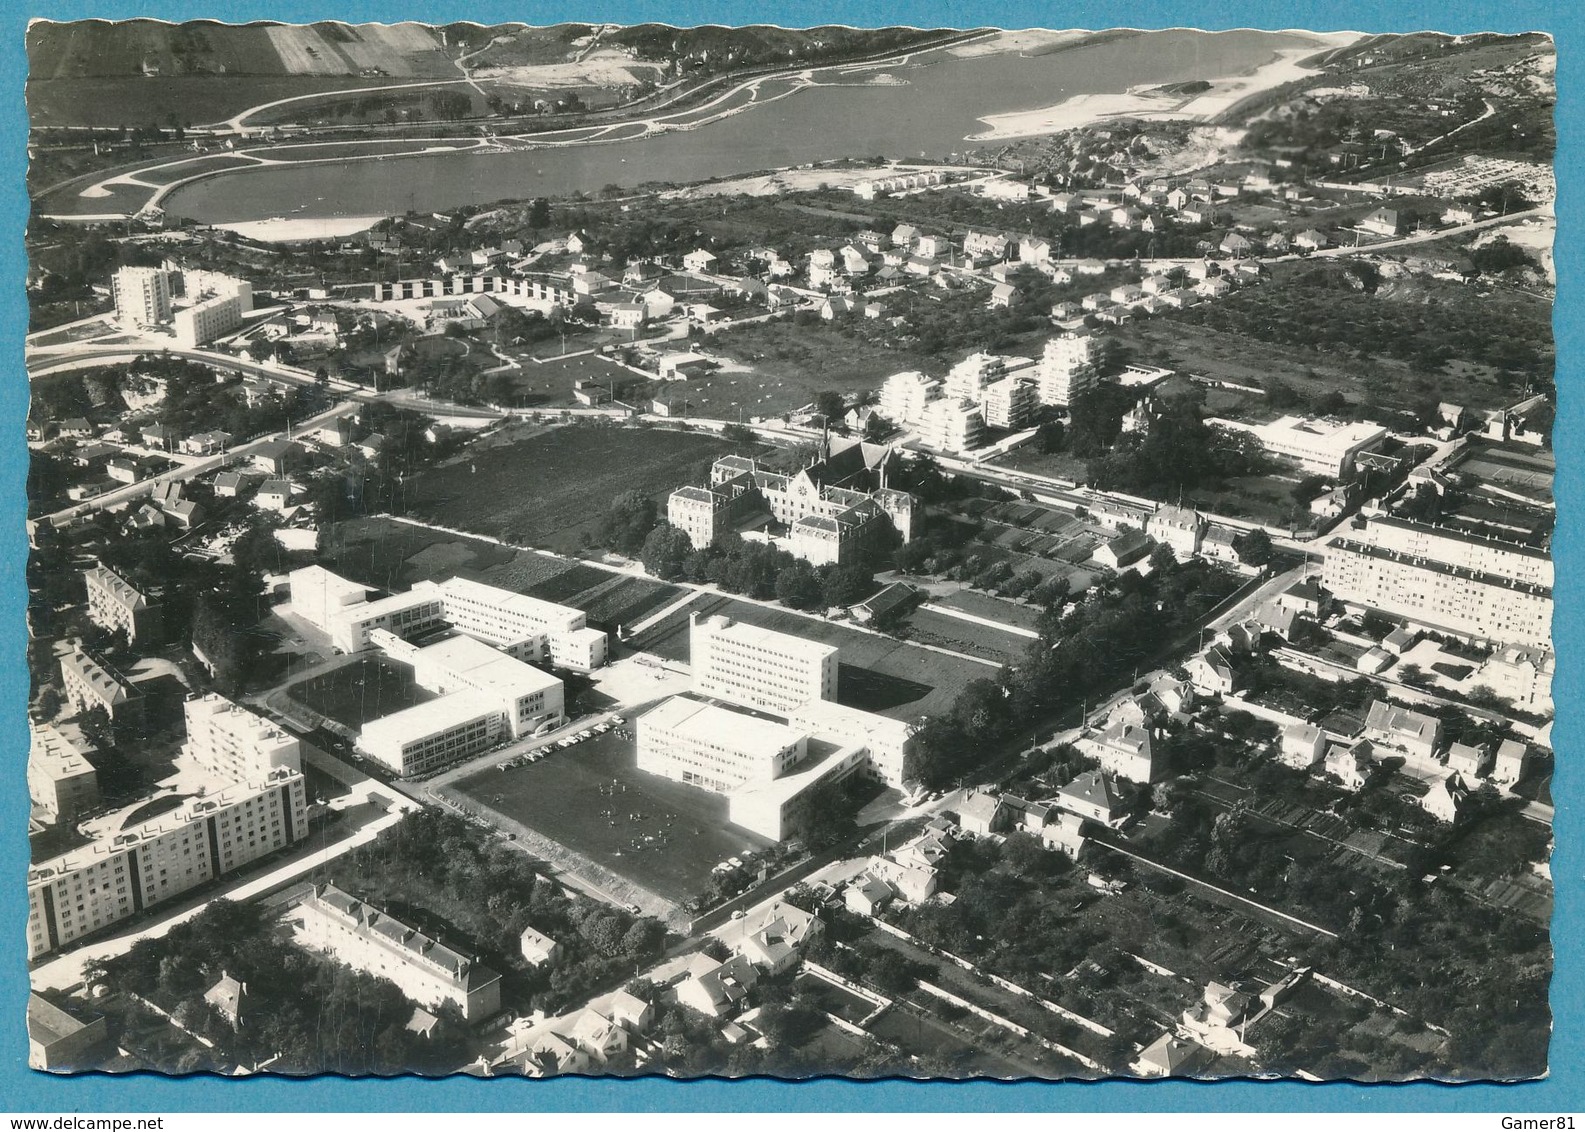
(1067, 369)
(142, 295)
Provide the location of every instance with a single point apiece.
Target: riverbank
(284, 231)
(1088, 109)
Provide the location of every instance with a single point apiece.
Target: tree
(628, 522)
(539, 213)
(664, 551)
(831, 405)
(798, 587)
(847, 585)
(1051, 437)
(877, 428)
(261, 349)
(1253, 547)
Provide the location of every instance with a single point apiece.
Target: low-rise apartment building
(115, 604)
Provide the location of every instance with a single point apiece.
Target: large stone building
(833, 510)
(340, 925)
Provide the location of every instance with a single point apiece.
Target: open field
(209, 164)
(548, 489)
(993, 608)
(195, 99)
(788, 365)
(878, 673)
(364, 690)
(392, 556)
(660, 834)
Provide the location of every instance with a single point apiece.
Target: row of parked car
(562, 744)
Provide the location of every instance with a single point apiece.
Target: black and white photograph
(939, 553)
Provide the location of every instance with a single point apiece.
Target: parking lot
(593, 799)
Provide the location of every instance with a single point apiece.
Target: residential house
(1034, 249)
(1412, 732)
(1125, 751)
(717, 989)
(699, 260)
(1469, 761)
(982, 814)
(1091, 796)
(1444, 800)
(865, 895)
(1350, 763)
(538, 949)
(1065, 835)
(1382, 222)
(774, 938)
(1178, 528)
(1237, 245)
(1004, 296)
(1168, 1056)
(904, 235)
(275, 495)
(228, 998)
(1303, 745)
(1213, 672)
(1510, 764)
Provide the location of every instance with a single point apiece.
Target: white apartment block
(1459, 548)
(714, 748)
(950, 425)
(198, 285)
(904, 396)
(115, 604)
(208, 320)
(235, 743)
(484, 696)
(759, 668)
(142, 296)
(1440, 595)
(338, 924)
(969, 377)
(1010, 403)
(86, 889)
(62, 783)
(1069, 368)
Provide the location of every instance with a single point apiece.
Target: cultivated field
(931, 628)
(548, 489)
(592, 798)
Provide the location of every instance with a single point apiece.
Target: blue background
(23, 1091)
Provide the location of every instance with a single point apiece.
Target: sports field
(593, 799)
(369, 688)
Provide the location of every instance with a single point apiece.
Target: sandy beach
(1016, 42)
(282, 231)
(1085, 109)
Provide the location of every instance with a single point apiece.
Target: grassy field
(356, 693)
(132, 100)
(660, 834)
(993, 608)
(788, 365)
(392, 556)
(548, 489)
(877, 673)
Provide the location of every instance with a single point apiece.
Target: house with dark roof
(982, 814)
(1123, 549)
(1093, 797)
(1412, 732)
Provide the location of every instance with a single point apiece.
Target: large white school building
(484, 696)
(525, 627)
(759, 668)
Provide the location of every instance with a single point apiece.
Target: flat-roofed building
(235, 743)
(1325, 447)
(142, 295)
(778, 809)
(321, 597)
(1009, 403)
(1069, 368)
(905, 395)
(138, 865)
(483, 696)
(58, 1039)
(115, 604)
(1467, 585)
(338, 924)
(889, 742)
(951, 425)
(205, 321)
(62, 783)
(715, 748)
(757, 667)
(542, 630)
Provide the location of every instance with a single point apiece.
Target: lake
(931, 114)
